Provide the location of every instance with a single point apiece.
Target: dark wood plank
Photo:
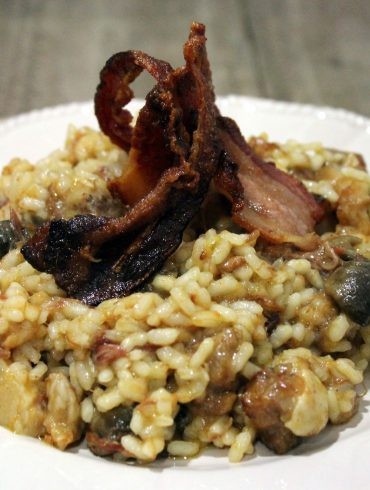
(315, 52)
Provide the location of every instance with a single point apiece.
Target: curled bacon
(149, 142)
(96, 258)
(176, 147)
(262, 196)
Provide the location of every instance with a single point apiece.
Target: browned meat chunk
(268, 400)
(220, 369)
(215, 402)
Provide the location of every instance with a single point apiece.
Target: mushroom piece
(349, 286)
(106, 430)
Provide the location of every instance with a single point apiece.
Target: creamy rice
(202, 326)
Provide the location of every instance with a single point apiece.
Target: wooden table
(313, 51)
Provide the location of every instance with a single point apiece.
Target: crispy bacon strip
(96, 258)
(149, 142)
(114, 92)
(174, 151)
(262, 196)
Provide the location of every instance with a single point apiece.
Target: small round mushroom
(106, 429)
(349, 286)
(8, 237)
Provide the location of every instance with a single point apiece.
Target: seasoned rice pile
(171, 363)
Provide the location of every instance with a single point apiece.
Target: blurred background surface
(312, 51)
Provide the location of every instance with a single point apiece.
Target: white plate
(337, 459)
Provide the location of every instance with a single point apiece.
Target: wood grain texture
(315, 51)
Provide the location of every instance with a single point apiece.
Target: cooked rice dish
(162, 371)
(165, 287)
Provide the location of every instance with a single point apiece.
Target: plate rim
(277, 106)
